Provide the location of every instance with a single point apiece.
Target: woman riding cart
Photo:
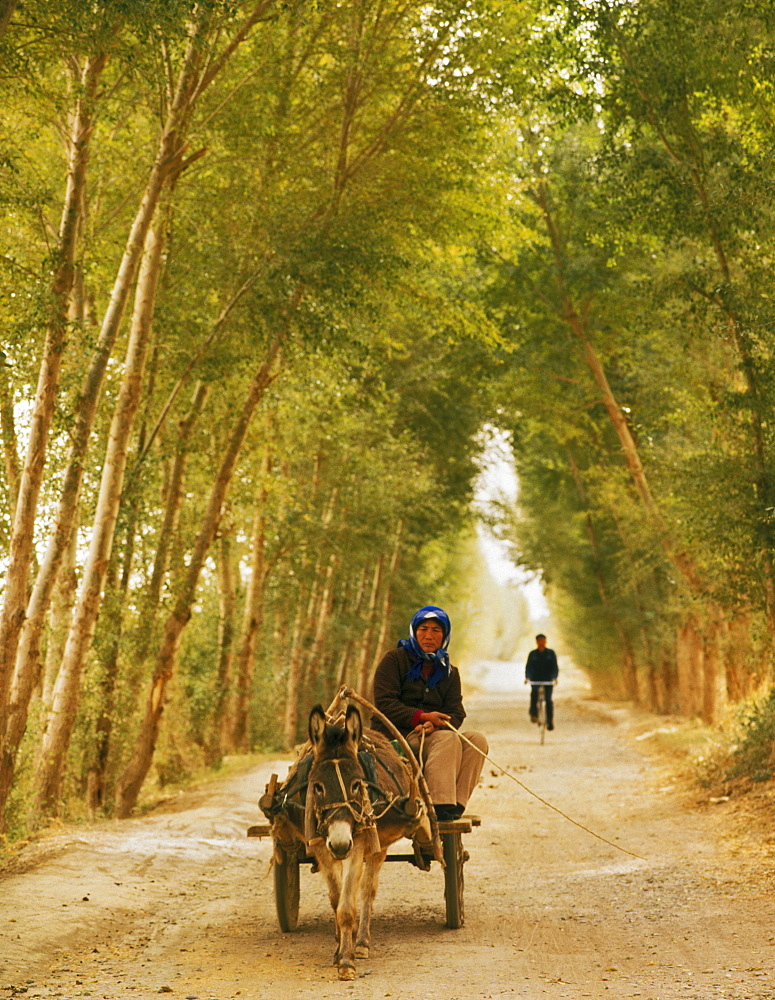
(418, 689)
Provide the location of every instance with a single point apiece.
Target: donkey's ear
(353, 724)
(317, 725)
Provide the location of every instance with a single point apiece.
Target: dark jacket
(541, 665)
(400, 699)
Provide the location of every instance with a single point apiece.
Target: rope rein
(537, 796)
(347, 692)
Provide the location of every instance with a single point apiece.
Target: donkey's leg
(346, 912)
(332, 870)
(372, 867)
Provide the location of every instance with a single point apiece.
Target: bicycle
(542, 706)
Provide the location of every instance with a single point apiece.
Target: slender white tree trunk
(60, 619)
(61, 719)
(20, 556)
(24, 657)
(227, 591)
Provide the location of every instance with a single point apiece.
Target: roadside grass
(729, 766)
(743, 756)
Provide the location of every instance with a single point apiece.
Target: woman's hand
(433, 720)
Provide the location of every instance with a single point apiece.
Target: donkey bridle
(360, 811)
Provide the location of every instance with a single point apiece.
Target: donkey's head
(337, 791)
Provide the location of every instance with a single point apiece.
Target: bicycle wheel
(541, 715)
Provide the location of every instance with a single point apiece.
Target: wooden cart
(287, 864)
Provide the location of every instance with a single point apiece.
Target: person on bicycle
(418, 689)
(541, 666)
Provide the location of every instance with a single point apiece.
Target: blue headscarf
(440, 659)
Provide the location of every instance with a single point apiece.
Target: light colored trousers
(451, 766)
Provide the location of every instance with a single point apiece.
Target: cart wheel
(454, 858)
(286, 888)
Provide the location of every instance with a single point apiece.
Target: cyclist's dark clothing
(542, 666)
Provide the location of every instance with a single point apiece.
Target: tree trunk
(190, 85)
(680, 559)
(7, 7)
(133, 776)
(690, 667)
(116, 595)
(27, 659)
(21, 548)
(366, 653)
(23, 685)
(738, 632)
(60, 619)
(342, 674)
(174, 497)
(10, 443)
(321, 612)
(223, 675)
(307, 601)
(654, 689)
(343, 664)
(166, 165)
(714, 694)
(387, 600)
(292, 684)
(61, 719)
(321, 618)
(252, 618)
(668, 679)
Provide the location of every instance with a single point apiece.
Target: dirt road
(180, 902)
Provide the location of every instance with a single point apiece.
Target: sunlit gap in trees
(496, 490)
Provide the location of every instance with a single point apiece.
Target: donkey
(348, 833)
